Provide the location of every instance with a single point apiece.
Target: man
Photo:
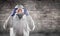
(21, 22)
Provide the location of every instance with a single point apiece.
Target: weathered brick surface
(46, 16)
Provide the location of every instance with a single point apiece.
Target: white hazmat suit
(21, 27)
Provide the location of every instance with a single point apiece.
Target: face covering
(19, 15)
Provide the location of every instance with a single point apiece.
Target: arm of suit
(30, 23)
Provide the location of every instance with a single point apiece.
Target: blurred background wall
(45, 13)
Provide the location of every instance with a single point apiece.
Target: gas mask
(19, 15)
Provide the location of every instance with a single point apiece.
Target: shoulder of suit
(24, 16)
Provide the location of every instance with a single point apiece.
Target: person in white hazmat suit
(21, 23)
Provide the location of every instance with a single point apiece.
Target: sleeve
(30, 23)
(8, 21)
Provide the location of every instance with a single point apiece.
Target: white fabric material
(12, 32)
(22, 26)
